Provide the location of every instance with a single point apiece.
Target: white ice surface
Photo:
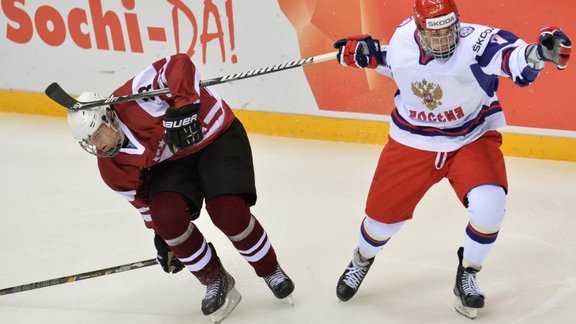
(57, 218)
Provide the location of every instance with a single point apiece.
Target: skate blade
(469, 312)
(289, 300)
(232, 300)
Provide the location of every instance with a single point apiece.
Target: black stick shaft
(79, 276)
(270, 69)
(56, 93)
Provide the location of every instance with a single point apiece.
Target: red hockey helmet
(438, 26)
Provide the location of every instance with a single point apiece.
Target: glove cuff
(183, 111)
(533, 57)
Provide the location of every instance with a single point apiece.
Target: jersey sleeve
(130, 183)
(183, 79)
(384, 68)
(505, 55)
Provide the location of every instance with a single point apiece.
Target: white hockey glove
(554, 46)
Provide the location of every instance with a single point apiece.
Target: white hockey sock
(374, 235)
(486, 207)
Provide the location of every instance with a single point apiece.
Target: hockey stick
(79, 276)
(56, 93)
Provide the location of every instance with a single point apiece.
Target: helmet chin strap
(443, 54)
(91, 148)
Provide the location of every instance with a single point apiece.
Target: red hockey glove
(360, 51)
(554, 46)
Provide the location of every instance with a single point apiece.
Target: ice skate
(469, 298)
(221, 298)
(352, 277)
(280, 284)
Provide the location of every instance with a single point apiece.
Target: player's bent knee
(169, 212)
(487, 205)
(378, 230)
(230, 213)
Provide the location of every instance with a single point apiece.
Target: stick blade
(55, 92)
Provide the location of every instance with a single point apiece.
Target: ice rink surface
(57, 218)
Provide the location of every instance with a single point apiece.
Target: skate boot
(221, 297)
(280, 284)
(469, 298)
(352, 277)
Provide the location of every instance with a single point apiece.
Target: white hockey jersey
(444, 104)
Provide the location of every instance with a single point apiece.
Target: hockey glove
(360, 51)
(165, 256)
(182, 128)
(554, 46)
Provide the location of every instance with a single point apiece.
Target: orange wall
(548, 103)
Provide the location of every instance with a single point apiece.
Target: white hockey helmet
(85, 122)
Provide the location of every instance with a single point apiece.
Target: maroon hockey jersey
(141, 122)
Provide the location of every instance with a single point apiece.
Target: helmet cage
(109, 119)
(440, 43)
(84, 123)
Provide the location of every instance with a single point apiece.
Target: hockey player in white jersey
(444, 125)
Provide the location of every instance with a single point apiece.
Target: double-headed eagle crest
(429, 92)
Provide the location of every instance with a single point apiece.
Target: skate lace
(276, 278)
(213, 288)
(469, 284)
(354, 275)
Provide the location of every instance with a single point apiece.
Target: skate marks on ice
(56, 211)
(565, 292)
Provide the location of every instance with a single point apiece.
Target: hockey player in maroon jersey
(166, 155)
(444, 126)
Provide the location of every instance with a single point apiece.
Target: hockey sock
(231, 214)
(486, 207)
(374, 235)
(171, 220)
